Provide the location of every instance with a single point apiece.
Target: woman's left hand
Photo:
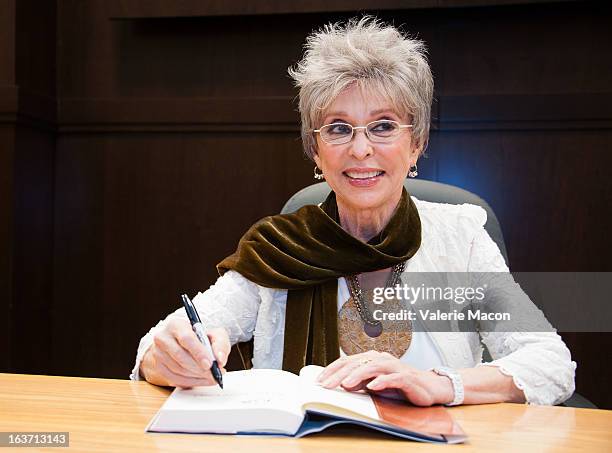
(380, 372)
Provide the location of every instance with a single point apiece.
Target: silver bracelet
(457, 382)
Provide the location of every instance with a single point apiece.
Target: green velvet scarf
(306, 252)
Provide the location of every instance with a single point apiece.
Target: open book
(262, 401)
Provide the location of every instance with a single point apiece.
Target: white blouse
(453, 240)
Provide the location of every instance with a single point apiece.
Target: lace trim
(518, 381)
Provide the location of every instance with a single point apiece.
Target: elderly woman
(298, 283)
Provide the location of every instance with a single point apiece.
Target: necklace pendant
(373, 331)
(357, 336)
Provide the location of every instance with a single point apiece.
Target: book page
(257, 400)
(319, 398)
(256, 388)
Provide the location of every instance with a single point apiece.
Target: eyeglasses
(381, 131)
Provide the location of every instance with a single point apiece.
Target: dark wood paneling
(9, 101)
(142, 218)
(523, 112)
(8, 107)
(7, 145)
(88, 54)
(274, 114)
(37, 110)
(32, 249)
(19, 105)
(541, 50)
(7, 43)
(132, 9)
(589, 350)
(188, 58)
(549, 190)
(27, 114)
(278, 114)
(36, 32)
(78, 258)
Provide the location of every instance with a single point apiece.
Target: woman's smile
(363, 177)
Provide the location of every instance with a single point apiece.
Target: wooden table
(110, 415)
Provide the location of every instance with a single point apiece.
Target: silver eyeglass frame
(365, 130)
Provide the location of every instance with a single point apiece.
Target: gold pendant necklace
(358, 331)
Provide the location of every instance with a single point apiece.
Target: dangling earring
(318, 175)
(412, 172)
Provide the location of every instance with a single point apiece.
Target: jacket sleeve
(528, 348)
(232, 303)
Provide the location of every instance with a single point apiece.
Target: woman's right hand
(178, 359)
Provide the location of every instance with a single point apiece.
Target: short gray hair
(375, 56)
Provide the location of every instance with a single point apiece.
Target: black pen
(198, 328)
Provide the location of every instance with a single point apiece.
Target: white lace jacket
(453, 240)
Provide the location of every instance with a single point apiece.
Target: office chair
(439, 193)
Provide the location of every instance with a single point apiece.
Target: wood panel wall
(136, 152)
(27, 151)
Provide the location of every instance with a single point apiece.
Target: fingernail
(372, 385)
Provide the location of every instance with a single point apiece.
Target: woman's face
(348, 167)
